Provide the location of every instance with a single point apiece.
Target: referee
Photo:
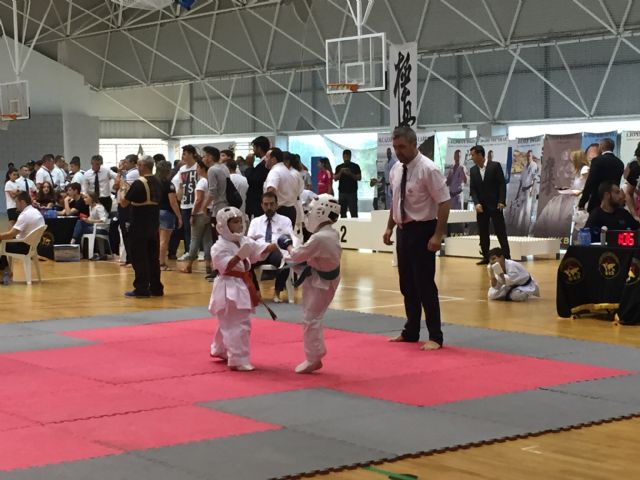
(420, 210)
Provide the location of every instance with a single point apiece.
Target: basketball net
(337, 92)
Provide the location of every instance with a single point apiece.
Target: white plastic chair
(291, 291)
(91, 238)
(33, 239)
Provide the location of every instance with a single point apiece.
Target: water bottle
(603, 235)
(584, 237)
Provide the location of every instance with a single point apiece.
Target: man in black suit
(606, 167)
(256, 176)
(488, 191)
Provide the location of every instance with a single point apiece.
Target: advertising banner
(524, 186)
(556, 201)
(403, 80)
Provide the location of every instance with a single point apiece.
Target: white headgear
(323, 208)
(222, 223)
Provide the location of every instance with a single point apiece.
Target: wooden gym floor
(370, 284)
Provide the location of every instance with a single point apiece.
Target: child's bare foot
(219, 356)
(308, 367)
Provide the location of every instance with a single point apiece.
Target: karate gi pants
(233, 335)
(315, 302)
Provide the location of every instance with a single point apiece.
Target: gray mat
(410, 431)
(120, 467)
(539, 410)
(262, 455)
(294, 408)
(621, 389)
(611, 356)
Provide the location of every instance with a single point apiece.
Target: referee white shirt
(288, 184)
(426, 188)
(280, 225)
(105, 175)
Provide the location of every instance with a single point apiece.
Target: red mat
(44, 445)
(158, 428)
(137, 387)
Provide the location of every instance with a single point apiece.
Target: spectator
(46, 196)
(97, 214)
(256, 175)
(170, 217)
(239, 181)
(11, 190)
(348, 175)
(325, 177)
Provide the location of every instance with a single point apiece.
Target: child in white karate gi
(509, 280)
(321, 276)
(234, 297)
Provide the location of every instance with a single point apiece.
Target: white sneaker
(276, 299)
(184, 258)
(308, 367)
(242, 368)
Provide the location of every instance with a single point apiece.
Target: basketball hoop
(338, 92)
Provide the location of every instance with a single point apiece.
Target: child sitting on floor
(234, 296)
(321, 276)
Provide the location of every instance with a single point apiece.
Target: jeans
(81, 228)
(200, 236)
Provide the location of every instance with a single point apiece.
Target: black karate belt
(331, 275)
(508, 296)
(273, 315)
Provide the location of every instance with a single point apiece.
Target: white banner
(524, 185)
(628, 143)
(403, 79)
(496, 149)
(458, 148)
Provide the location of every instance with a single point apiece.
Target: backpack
(233, 196)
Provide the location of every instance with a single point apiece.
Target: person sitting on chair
(269, 227)
(97, 214)
(29, 220)
(611, 212)
(509, 280)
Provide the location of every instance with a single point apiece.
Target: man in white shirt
(420, 210)
(185, 182)
(509, 280)
(98, 180)
(239, 181)
(268, 228)
(285, 183)
(28, 220)
(128, 174)
(75, 172)
(45, 172)
(58, 173)
(25, 184)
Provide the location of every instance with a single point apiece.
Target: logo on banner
(634, 272)
(572, 271)
(609, 265)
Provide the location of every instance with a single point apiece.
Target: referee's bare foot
(400, 338)
(431, 345)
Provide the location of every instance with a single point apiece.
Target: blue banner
(588, 138)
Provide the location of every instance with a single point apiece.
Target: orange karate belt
(248, 281)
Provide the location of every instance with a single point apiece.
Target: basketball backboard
(14, 101)
(360, 60)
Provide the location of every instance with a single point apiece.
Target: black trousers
(274, 259)
(417, 269)
(107, 203)
(348, 201)
(17, 247)
(499, 227)
(145, 259)
(290, 213)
